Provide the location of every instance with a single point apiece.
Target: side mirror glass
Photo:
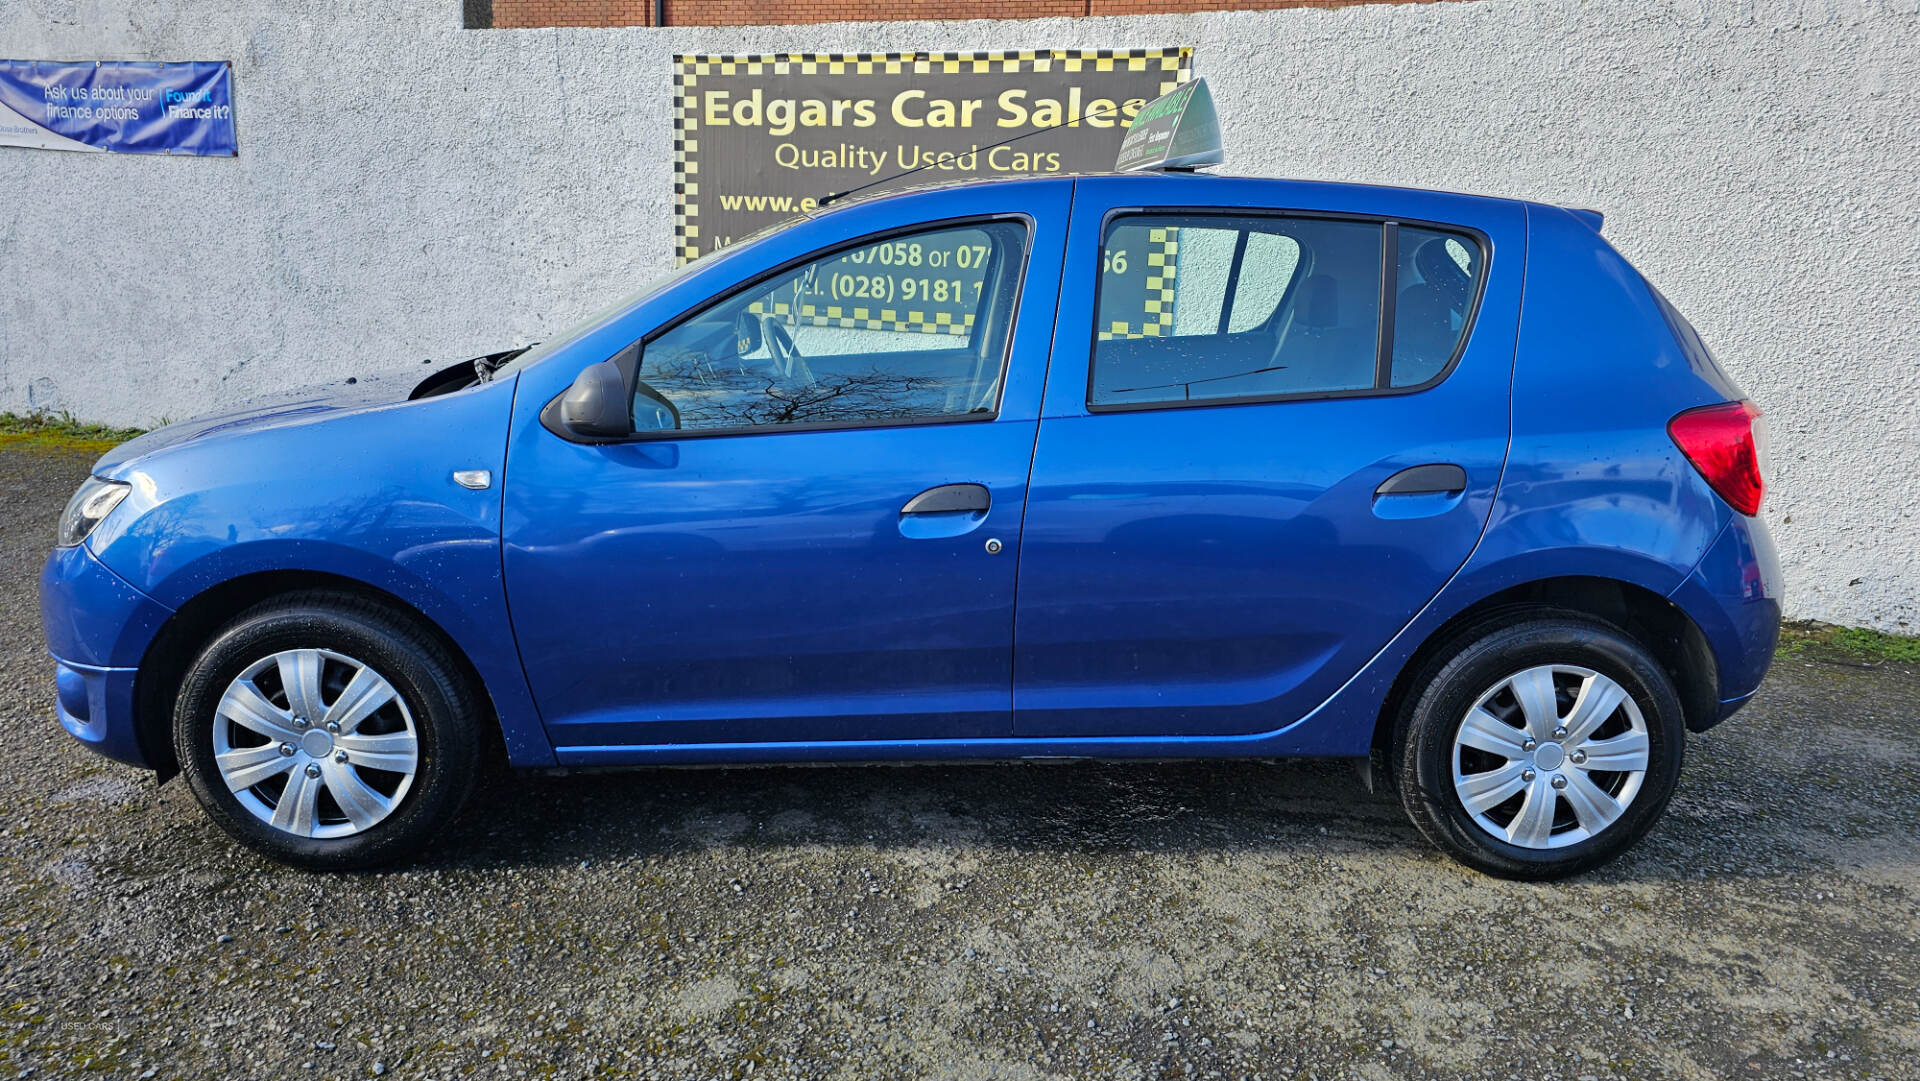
(747, 335)
(597, 406)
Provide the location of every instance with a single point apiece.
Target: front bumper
(95, 706)
(98, 628)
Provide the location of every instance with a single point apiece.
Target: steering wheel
(784, 356)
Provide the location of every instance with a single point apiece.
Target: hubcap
(1550, 756)
(315, 743)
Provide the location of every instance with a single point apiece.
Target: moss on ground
(1824, 641)
(60, 432)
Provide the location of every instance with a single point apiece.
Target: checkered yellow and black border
(1176, 66)
(846, 317)
(1156, 317)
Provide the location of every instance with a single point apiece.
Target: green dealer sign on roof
(1177, 131)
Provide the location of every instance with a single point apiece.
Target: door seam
(1033, 456)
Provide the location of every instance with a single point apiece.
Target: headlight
(93, 502)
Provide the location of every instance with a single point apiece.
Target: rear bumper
(1731, 706)
(98, 628)
(1733, 596)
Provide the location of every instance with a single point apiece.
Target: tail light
(1727, 443)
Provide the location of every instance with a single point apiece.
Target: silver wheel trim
(315, 744)
(1552, 759)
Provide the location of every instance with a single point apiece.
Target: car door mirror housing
(596, 404)
(596, 408)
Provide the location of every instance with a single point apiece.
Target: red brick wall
(524, 13)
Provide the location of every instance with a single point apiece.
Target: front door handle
(950, 499)
(1434, 479)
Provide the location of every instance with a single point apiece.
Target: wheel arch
(181, 638)
(1663, 627)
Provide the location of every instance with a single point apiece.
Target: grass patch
(1856, 645)
(60, 432)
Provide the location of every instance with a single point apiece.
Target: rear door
(1269, 438)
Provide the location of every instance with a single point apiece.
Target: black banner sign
(760, 139)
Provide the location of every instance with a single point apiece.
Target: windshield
(581, 329)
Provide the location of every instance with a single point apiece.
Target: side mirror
(747, 336)
(596, 406)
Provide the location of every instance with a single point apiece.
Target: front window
(910, 328)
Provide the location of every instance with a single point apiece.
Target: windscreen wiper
(484, 367)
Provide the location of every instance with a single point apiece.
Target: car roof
(1181, 179)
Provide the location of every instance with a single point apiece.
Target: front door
(812, 535)
(1287, 441)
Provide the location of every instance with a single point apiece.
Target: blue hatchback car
(1149, 465)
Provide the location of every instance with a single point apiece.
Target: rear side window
(1438, 273)
(1210, 308)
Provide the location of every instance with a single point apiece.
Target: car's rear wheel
(325, 731)
(1539, 745)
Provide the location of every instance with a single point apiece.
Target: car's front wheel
(1539, 745)
(324, 731)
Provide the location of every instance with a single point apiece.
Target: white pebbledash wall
(409, 189)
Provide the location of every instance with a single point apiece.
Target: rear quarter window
(1438, 277)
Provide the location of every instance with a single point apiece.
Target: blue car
(1150, 465)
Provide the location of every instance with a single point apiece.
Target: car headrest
(1423, 333)
(1319, 302)
(1440, 271)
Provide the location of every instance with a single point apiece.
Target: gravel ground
(1019, 922)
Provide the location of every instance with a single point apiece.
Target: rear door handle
(950, 499)
(1425, 480)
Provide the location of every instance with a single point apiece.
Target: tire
(1452, 767)
(357, 804)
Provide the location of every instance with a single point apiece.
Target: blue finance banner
(121, 107)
